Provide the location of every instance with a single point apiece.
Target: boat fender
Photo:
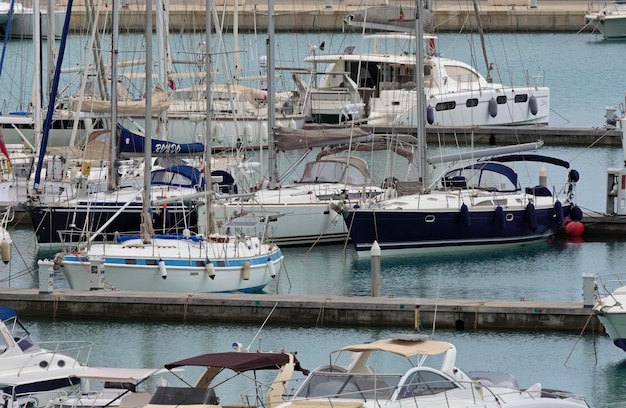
(162, 269)
(576, 214)
(531, 216)
(245, 271)
(532, 104)
(493, 108)
(271, 267)
(466, 215)
(573, 176)
(558, 212)
(210, 269)
(430, 114)
(574, 229)
(500, 218)
(5, 251)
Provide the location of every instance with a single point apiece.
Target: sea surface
(585, 75)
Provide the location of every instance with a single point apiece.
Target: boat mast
(209, 228)
(146, 225)
(482, 41)
(53, 91)
(271, 109)
(421, 96)
(112, 182)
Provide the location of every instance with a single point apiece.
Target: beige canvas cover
(406, 348)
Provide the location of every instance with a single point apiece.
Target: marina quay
(327, 15)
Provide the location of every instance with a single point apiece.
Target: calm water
(585, 75)
(583, 72)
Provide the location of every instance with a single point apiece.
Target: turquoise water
(585, 75)
(583, 72)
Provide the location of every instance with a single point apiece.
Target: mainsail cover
(293, 139)
(132, 144)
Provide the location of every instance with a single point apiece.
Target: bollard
(590, 290)
(375, 254)
(46, 276)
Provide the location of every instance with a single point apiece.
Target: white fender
(162, 269)
(245, 271)
(270, 265)
(5, 251)
(210, 269)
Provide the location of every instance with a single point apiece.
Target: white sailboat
(184, 262)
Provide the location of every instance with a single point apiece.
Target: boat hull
(287, 224)
(66, 223)
(615, 326)
(135, 267)
(439, 231)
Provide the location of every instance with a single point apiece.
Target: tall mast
(209, 229)
(271, 110)
(421, 96)
(112, 182)
(147, 196)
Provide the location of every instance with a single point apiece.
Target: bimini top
(405, 348)
(239, 361)
(7, 313)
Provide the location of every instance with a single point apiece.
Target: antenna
(261, 328)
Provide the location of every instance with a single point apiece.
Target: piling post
(46, 276)
(375, 262)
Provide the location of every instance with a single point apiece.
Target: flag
(401, 16)
(3, 149)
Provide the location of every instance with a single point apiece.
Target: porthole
(521, 98)
(501, 99)
(430, 218)
(509, 217)
(43, 364)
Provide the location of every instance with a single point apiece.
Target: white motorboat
(377, 85)
(610, 20)
(611, 310)
(31, 374)
(224, 369)
(389, 384)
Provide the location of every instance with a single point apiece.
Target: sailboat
(205, 262)
(480, 205)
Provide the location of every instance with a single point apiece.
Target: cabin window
(461, 74)
(520, 98)
(501, 99)
(470, 103)
(443, 106)
(130, 261)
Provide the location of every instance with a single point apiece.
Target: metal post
(375, 255)
(46, 276)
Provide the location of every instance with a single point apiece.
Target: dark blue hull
(405, 231)
(66, 224)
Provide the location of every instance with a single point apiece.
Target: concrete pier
(411, 313)
(327, 15)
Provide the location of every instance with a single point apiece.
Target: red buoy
(574, 229)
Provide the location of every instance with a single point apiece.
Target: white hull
(611, 311)
(288, 224)
(133, 265)
(456, 93)
(610, 21)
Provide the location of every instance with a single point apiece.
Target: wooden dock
(460, 314)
